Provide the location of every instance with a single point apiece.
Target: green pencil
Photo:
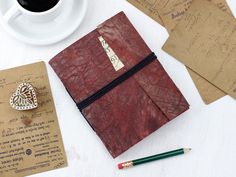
(153, 158)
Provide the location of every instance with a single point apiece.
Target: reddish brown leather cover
(132, 110)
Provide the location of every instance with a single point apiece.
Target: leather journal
(118, 84)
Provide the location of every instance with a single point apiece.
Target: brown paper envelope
(149, 7)
(205, 41)
(30, 141)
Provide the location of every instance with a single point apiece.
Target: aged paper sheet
(207, 90)
(149, 7)
(205, 41)
(30, 141)
(169, 12)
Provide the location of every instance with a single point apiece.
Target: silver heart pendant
(24, 98)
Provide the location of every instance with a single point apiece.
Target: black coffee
(38, 5)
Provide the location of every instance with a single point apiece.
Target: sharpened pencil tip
(186, 150)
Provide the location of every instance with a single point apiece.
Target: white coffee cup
(17, 10)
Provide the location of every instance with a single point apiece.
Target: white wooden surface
(209, 130)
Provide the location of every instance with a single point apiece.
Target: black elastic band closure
(83, 104)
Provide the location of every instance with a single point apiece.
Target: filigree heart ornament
(24, 98)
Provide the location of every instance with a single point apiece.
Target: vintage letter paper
(171, 11)
(149, 7)
(205, 41)
(207, 90)
(30, 141)
(168, 13)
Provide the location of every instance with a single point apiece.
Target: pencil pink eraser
(120, 166)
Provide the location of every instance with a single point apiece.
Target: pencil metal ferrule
(127, 164)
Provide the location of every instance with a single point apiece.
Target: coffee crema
(38, 5)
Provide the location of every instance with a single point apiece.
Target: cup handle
(12, 14)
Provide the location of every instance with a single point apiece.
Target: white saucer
(45, 33)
